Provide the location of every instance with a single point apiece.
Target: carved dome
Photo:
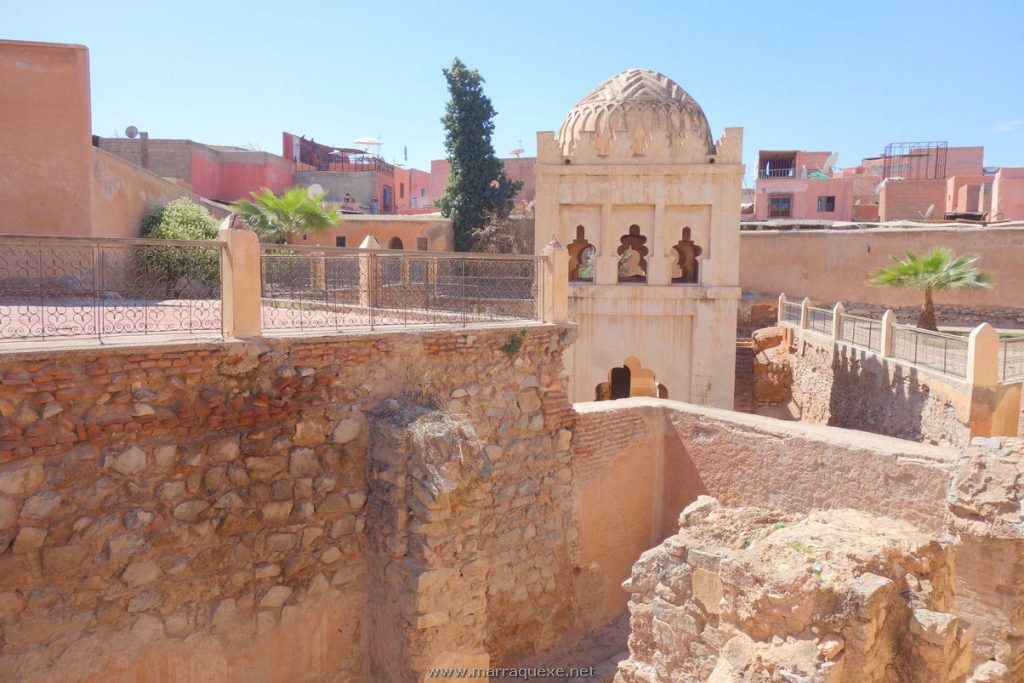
(637, 113)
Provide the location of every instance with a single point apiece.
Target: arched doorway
(630, 379)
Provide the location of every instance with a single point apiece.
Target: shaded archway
(685, 267)
(581, 257)
(633, 256)
(630, 379)
(395, 243)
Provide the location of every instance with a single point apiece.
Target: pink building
(224, 174)
(911, 181)
(516, 168)
(794, 184)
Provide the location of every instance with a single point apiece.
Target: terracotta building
(648, 205)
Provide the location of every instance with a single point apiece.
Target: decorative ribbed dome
(639, 106)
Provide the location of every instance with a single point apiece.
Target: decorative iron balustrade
(792, 313)
(324, 288)
(81, 288)
(863, 332)
(820, 320)
(1011, 359)
(946, 353)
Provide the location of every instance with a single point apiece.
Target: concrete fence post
(804, 313)
(782, 306)
(555, 282)
(838, 321)
(888, 323)
(983, 356)
(240, 279)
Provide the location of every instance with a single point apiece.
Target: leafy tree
(477, 185)
(278, 218)
(499, 235)
(180, 271)
(938, 269)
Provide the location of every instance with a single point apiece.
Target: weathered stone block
(42, 505)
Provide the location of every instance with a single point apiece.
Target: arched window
(685, 268)
(633, 256)
(395, 243)
(581, 258)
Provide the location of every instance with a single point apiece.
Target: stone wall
(843, 386)
(220, 510)
(665, 454)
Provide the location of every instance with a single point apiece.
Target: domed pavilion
(648, 205)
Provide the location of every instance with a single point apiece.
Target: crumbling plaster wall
(205, 511)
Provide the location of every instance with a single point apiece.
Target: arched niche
(685, 266)
(633, 256)
(581, 257)
(395, 243)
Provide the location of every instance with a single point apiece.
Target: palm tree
(938, 269)
(278, 218)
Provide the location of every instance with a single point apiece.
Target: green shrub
(181, 219)
(191, 272)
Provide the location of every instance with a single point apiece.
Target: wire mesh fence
(1011, 359)
(860, 331)
(820, 320)
(81, 288)
(791, 313)
(946, 353)
(325, 288)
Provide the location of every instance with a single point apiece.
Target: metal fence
(1011, 359)
(82, 288)
(820, 320)
(791, 313)
(946, 353)
(329, 288)
(859, 331)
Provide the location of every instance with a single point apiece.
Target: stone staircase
(743, 398)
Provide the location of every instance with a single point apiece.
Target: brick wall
(910, 199)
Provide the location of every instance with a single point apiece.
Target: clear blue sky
(845, 76)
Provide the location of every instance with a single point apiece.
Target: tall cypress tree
(478, 188)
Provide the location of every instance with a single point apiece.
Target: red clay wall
(45, 125)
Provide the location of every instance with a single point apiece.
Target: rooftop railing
(327, 288)
(776, 173)
(1011, 359)
(973, 358)
(859, 331)
(88, 289)
(74, 288)
(946, 353)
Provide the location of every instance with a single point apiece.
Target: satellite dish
(314, 191)
(830, 161)
(131, 132)
(517, 152)
(928, 212)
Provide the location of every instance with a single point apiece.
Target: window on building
(780, 206)
(339, 241)
(421, 243)
(401, 190)
(826, 204)
(423, 192)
